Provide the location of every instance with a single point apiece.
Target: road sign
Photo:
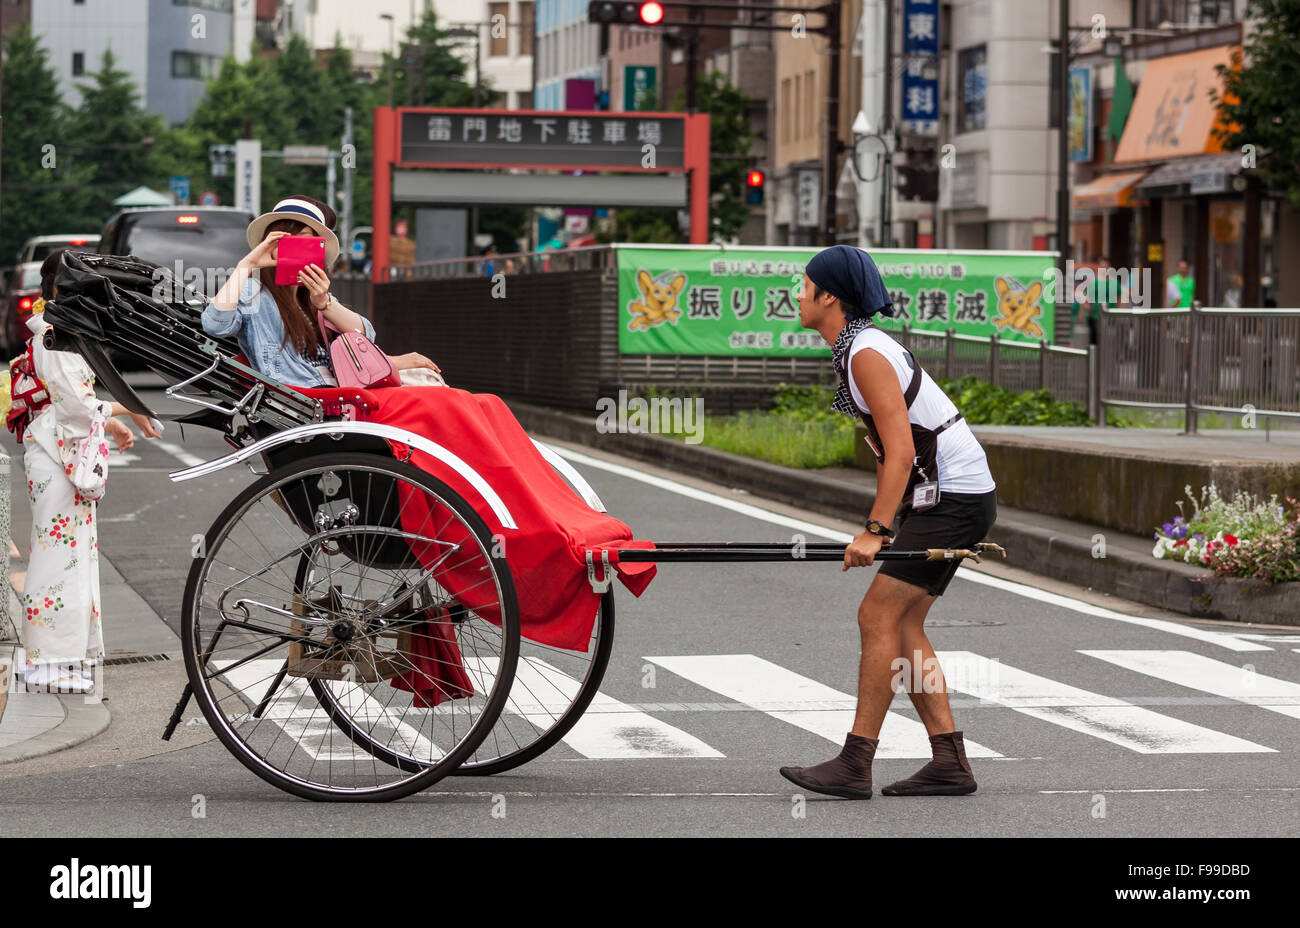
(248, 175)
(306, 154)
(181, 190)
(208, 198)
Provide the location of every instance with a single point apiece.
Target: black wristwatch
(876, 527)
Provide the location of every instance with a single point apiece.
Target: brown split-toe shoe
(948, 774)
(848, 775)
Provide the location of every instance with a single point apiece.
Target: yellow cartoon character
(1018, 306)
(658, 303)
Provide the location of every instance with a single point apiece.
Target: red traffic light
(652, 13)
(755, 179)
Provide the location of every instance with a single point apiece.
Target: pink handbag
(357, 360)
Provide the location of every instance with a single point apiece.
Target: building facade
(169, 47)
(567, 66)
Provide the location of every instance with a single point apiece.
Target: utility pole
(348, 149)
(692, 58)
(1063, 144)
(833, 12)
(887, 132)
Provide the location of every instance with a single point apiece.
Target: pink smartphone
(295, 252)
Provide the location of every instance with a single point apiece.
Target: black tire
(286, 489)
(482, 763)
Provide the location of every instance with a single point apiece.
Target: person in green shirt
(1181, 287)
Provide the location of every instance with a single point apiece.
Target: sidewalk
(36, 724)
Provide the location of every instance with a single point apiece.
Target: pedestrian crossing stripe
(772, 689)
(1103, 717)
(614, 730)
(1197, 672)
(608, 730)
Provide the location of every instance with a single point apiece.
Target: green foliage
(791, 440)
(984, 404)
(117, 137)
(1258, 101)
(43, 188)
(729, 145)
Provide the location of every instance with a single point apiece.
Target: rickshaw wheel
(543, 705)
(418, 653)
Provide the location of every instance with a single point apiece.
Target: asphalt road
(1084, 715)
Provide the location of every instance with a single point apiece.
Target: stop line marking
(1224, 640)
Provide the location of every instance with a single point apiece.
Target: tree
(116, 137)
(729, 147)
(43, 187)
(1258, 100)
(428, 71)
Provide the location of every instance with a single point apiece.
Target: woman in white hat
(276, 324)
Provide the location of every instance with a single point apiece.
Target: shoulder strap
(914, 387)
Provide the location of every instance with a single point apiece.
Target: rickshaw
(350, 623)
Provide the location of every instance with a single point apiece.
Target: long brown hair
(294, 302)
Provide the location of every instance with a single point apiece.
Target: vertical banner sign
(180, 187)
(248, 175)
(745, 301)
(808, 198)
(638, 80)
(1080, 127)
(921, 66)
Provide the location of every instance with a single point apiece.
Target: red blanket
(556, 528)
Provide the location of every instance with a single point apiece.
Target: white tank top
(963, 467)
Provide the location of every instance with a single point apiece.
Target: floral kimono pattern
(61, 600)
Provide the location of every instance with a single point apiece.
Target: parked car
(38, 247)
(199, 244)
(23, 290)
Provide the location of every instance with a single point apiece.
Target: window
(526, 28)
(189, 64)
(798, 99)
(785, 111)
(78, 63)
(810, 104)
(973, 70)
(499, 44)
(1185, 12)
(525, 100)
(219, 6)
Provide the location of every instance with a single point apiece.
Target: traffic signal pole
(829, 172)
(830, 11)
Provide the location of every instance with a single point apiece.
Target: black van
(199, 244)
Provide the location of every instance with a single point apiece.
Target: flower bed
(1241, 537)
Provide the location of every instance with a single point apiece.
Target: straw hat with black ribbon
(307, 210)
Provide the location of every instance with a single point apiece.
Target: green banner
(745, 301)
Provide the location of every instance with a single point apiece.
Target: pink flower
(1180, 543)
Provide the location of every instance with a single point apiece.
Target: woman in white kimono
(60, 600)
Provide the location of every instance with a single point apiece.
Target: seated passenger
(276, 324)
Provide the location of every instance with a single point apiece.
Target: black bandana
(840, 355)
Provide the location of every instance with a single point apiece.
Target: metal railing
(1234, 361)
(588, 258)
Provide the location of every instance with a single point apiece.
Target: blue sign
(921, 66)
(1080, 123)
(181, 190)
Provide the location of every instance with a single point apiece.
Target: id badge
(925, 495)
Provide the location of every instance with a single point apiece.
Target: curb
(1050, 551)
(82, 721)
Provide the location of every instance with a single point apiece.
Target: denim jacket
(256, 323)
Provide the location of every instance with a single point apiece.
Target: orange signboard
(1173, 114)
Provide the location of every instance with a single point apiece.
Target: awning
(1191, 176)
(1173, 115)
(1109, 191)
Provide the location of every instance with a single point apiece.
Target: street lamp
(391, 60)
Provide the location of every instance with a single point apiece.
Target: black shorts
(959, 520)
